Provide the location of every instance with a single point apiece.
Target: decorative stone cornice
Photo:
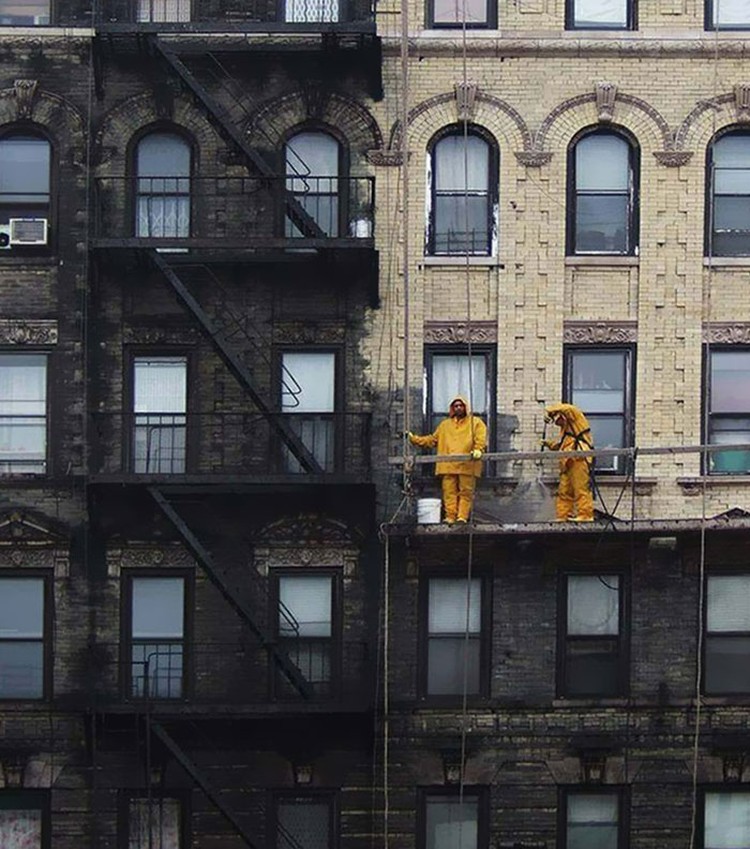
(384, 156)
(533, 158)
(16, 331)
(139, 335)
(139, 556)
(727, 333)
(460, 333)
(673, 158)
(301, 531)
(600, 332)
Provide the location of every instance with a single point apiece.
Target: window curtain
(459, 375)
(731, 13)
(601, 13)
(451, 824)
(728, 603)
(727, 821)
(454, 605)
(306, 604)
(163, 164)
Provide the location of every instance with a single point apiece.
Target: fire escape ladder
(238, 368)
(294, 209)
(206, 559)
(194, 771)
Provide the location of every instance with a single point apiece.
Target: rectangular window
(600, 14)
(599, 380)
(593, 819)
(727, 643)
(24, 13)
(23, 635)
(729, 409)
(308, 402)
(306, 627)
(24, 820)
(726, 820)
(454, 661)
(163, 11)
(159, 410)
(155, 823)
(453, 14)
(592, 649)
(727, 14)
(157, 637)
(305, 822)
(23, 414)
(450, 822)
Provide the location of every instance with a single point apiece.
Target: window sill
(726, 261)
(591, 701)
(713, 480)
(453, 261)
(602, 260)
(618, 481)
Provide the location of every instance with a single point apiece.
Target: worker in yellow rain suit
(574, 499)
(461, 433)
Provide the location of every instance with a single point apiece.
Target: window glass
(20, 829)
(457, 12)
(729, 178)
(154, 824)
(603, 195)
(730, 14)
(312, 169)
(163, 165)
(308, 392)
(160, 422)
(593, 604)
(24, 170)
(306, 605)
(21, 638)
(23, 413)
(454, 632)
(727, 665)
(592, 821)
(727, 821)
(157, 636)
(158, 11)
(460, 215)
(458, 374)
(451, 823)
(600, 14)
(729, 414)
(303, 823)
(312, 11)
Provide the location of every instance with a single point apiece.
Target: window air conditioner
(28, 231)
(4, 237)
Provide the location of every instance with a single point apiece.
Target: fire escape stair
(194, 771)
(230, 594)
(235, 364)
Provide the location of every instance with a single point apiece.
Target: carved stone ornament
(26, 529)
(673, 158)
(466, 97)
(600, 332)
(606, 94)
(460, 333)
(384, 156)
(25, 91)
(727, 333)
(158, 335)
(308, 333)
(139, 556)
(742, 101)
(533, 158)
(305, 529)
(14, 331)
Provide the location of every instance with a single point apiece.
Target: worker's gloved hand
(476, 454)
(408, 434)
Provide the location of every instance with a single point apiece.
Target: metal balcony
(171, 447)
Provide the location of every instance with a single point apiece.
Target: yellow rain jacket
(456, 436)
(575, 434)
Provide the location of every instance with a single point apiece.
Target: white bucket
(428, 511)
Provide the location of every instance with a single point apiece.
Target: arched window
(728, 208)
(163, 168)
(462, 195)
(24, 176)
(312, 163)
(603, 195)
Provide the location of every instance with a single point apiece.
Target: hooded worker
(461, 433)
(574, 499)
